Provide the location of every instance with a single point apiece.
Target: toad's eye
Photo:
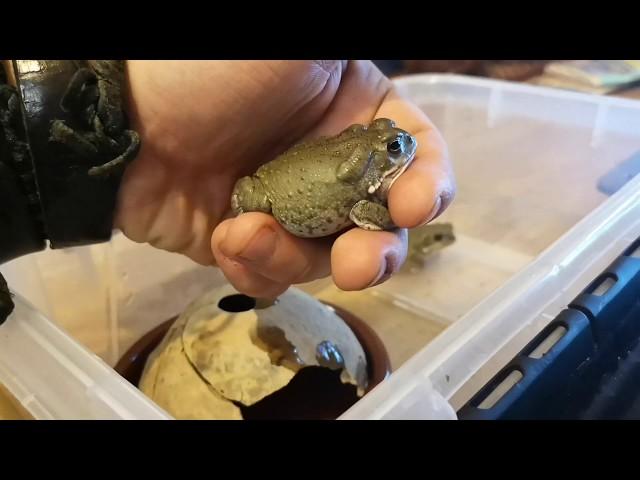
(394, 147)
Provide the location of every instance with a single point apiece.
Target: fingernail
(386, 270)
(260, 246)
(435, 211)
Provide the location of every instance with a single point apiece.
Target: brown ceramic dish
(313, 394)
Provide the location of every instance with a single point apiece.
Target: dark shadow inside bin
(314, 393)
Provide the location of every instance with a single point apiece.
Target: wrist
(80, 144)
(64, 144)
(20, 214)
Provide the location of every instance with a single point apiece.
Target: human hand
(206, 124)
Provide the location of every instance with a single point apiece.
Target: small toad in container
(229, 356)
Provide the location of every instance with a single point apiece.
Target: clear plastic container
(44, 374)
(532, 230)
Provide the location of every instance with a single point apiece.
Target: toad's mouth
(392, 175)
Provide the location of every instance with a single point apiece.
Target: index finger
(427, 187)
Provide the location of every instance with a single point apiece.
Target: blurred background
(502, 69)
(616, 77)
